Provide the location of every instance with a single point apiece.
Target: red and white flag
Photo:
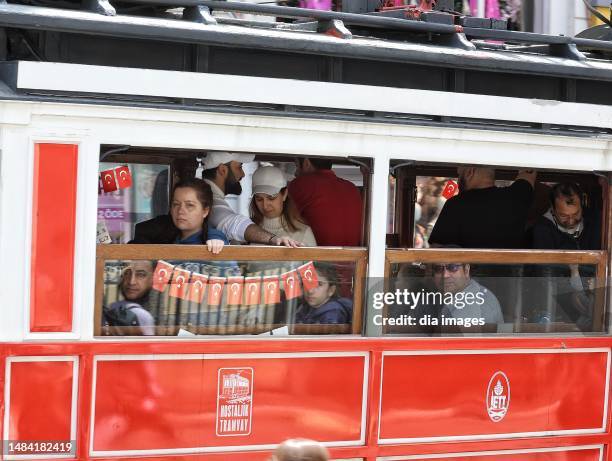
(252, 289)
(162, 274)
(197, 286)
(124, 177)
(450, 189)
(271, 290)
(178, 286)
(291, 285)
(215, 290)
(308, 273)
(234, 291)
(109, 183)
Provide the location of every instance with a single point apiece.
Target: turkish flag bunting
(215, 290)
(309, 277)
(450, 189)
(252, 286)
(178, 286)
(162, 274)
(124, 177)
(234, 291)
(271, 289)
(109, 183)
(197, 286)
(291, 284)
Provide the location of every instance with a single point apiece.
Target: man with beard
(223, 172)
(568, 225)
(484, 215)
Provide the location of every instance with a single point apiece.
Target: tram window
(246, 289)
(422, 199)
(179, 297)
(318, 208)
(144, 196)
(457, 297)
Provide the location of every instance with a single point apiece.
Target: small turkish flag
(215, 290)
(178, 286)
(109, 183)
(197, 286)
(309, 276)
(252, 287)
(450, 189)
(162, 274)
(234, 291)
(291, 284)
(271, 289)
(124, 177)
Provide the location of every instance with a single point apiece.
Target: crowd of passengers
(200, 215)
(483, 215)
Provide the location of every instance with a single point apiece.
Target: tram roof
(535, 66)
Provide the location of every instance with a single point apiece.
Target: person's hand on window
(528, 175)
(215, 246)
(286, 241)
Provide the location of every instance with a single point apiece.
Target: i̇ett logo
(498, 396)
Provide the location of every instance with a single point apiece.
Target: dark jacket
(546, 235)
(161, 230)
(336, 310)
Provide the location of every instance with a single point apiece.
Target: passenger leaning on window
(223, 172)
(189, 209)
(272, 209)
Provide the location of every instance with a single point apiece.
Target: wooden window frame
(236, 253)
(599, 258)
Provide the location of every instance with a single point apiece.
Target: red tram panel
(53, 233)
(41, 399)
(550, 393)
(169, 404)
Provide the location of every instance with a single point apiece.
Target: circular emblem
(498, 396)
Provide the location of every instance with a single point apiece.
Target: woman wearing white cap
(271, 207)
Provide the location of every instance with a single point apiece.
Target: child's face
(320, 294)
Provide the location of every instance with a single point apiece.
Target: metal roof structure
(367, 49)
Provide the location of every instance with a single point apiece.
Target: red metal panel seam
(220, 346)
(84, 396)
(3, 355)
(373, 406)
(608, 435)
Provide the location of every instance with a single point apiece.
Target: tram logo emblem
(498, 396)
(234, 401)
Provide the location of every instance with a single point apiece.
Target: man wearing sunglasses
(463, 297)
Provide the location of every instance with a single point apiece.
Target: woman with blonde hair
(271, 207)
(300, 450)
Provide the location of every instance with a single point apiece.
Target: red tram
(143, 91)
